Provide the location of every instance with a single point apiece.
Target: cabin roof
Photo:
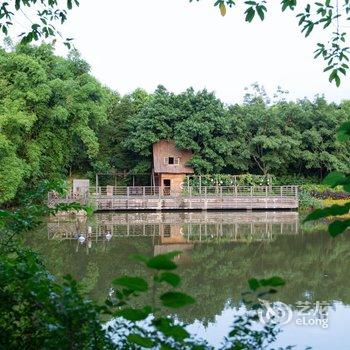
(165, 148)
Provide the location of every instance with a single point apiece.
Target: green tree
(259, 136)
(50, 108)
(207, 129)
(321, 151)
(112, 135)
(271, 143)
(197, 121)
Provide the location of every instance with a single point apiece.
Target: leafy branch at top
(315, 14)
(48, 14)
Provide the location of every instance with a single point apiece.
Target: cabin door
(166, 187)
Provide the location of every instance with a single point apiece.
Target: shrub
(307, 201)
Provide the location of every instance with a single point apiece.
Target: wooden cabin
(170, 166)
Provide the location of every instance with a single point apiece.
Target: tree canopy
(49, 107)
(257, 136)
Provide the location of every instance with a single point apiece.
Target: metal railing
(195, 191)
(168, 192)
(54, 198)
(138, 191)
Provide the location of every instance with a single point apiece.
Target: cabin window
(171, 160)
(167, 182)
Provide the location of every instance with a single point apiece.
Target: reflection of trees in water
(309, 263)
(215, 274)
(112, 260)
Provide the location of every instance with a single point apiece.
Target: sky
(144, 43)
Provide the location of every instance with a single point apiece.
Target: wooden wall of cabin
(176, 181)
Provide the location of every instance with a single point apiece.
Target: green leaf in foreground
(333, 210)
(163, 262)
(274, 281)
(253, 284)
(250, 13)
(338, 227)
(131, 314)
(343, 132)
(176, 299)
(171, 278)
(141, 341)
(133, 283)
(165, 326)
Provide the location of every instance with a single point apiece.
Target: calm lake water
(220, 252)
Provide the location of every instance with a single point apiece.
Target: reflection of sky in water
(221, 251)
(336, 336)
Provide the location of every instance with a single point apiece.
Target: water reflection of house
(170, 239)
(170, 166)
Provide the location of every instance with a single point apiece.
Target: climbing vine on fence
(229, 180)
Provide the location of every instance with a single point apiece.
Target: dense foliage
(38, 313)
(258, 136)
(49, 109)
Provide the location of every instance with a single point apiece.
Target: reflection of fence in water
(238, 231)
(196, 217)
(179, 228)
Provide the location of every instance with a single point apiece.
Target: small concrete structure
(81, 187)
